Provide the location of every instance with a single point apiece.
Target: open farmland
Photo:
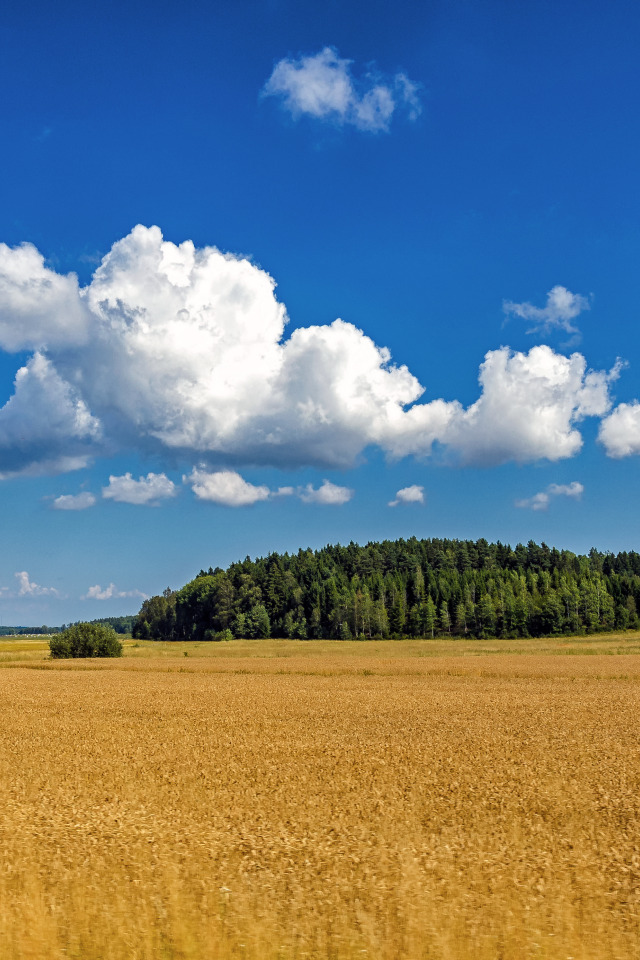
(281, 799)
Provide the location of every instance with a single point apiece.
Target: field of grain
(301, 800)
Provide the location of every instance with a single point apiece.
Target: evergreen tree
(397, 614)
(444, 620)
(430, 617)
(461, 620)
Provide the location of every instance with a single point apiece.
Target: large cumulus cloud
(529, 407)
(182, 351)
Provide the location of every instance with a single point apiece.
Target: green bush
(218, 635)
(86, 640)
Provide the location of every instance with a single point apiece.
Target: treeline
(120, 624)
(415, 588)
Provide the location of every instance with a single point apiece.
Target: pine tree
(430, 617)
(444, 620)
(461, 620)
(397, 614)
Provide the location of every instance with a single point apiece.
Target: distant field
(611, 644)
(280, 799)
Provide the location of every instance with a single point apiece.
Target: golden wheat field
(322, 800)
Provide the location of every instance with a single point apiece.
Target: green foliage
(86, 640)
(119, 624)
(418, 588)
(257, 622)
(218, 635)
(156, 620)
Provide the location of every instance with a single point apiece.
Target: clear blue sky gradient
(520, 173)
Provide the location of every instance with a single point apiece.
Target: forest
(414, 588)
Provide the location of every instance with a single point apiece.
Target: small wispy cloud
(147, 491)
(229, 489)
(78, 501)
(28, 588)
(327, 493)
(322, 86)
(110, 593)
(561, 309)
(225, 487)
(541, 501)
(412, 494)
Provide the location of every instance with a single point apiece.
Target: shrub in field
(86, 640)
(218, 635)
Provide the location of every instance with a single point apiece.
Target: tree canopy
(417, 588)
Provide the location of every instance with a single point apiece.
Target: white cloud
(529, 407)
(38, 307)
(541, 501)
(574, 490)
(143, 492)
(327, 493)
(27, 588)
(620, 431)
(323, 86)
(45, 427)
(110, 593)
(562, 307)
(222, 386)
(78, 501)
(412, 494)
(226, 487)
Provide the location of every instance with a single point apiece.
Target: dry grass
(328, 800)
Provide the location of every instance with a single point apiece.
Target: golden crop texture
(344, 805)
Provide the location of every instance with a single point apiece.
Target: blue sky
(193, 193)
